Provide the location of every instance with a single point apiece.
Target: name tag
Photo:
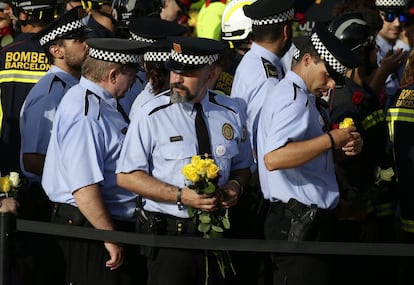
(176, 139)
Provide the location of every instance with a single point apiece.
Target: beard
(177, 98)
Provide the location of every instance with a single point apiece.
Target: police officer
(22, 64)
(64, 43)
(79, 171)
(296, 168)
(162, 138)
(261, 69)
(155, 31)
(388, 41)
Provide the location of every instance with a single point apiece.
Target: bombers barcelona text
(27, 61)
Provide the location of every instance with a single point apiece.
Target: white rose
(14, 179)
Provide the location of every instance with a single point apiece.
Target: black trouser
(85, 259)
(169, 266)
(298, 269)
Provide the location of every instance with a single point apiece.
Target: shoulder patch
(270, 69)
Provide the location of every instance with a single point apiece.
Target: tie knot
(198, 107)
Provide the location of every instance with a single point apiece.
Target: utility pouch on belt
(302, 218)
(148, 223)
(68, 214)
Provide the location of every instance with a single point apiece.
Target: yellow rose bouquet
(9, 184)
(202, 175)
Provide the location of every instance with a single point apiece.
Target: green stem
(206, 261)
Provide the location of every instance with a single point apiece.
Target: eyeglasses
(390, 16)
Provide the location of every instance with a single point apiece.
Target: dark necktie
(203, 138)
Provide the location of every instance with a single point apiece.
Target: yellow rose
(14, 179)
(5, 185)
(346, 123)
(190, 173)
(200, 166)
(212, 171)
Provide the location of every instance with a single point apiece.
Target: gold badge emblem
(177, 48)
(228, 132)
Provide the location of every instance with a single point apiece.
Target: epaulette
(56, 79)
(212, 99)
(161, 107)
(270, 69)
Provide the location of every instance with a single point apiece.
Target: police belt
(67, 214)
(166, 224)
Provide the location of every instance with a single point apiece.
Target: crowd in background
(97, 109)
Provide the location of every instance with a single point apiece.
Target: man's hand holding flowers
(347, 138)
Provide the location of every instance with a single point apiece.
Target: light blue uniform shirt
(144, 97)
(38, 112)
(257, 74)
(393, 80)
(161, 139)
(288, 115)
(86, 140)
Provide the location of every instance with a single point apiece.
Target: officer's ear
(55, 51)
(112, 75)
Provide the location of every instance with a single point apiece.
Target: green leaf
(217, 228)
(205, 218)
(190, 211)
(226, 222)
(204, 227)
(211, 188)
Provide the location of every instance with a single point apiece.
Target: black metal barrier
(333, 248)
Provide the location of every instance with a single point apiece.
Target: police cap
(150, 29)
(117, 50)
(391, 4)
(337, 57)
(190, 53)
(268, 12)
(68, 25)
(159, 51)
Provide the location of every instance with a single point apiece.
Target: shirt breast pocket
(177, 151)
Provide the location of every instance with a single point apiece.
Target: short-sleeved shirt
(257, 74)
(161, 139)
(86, 140)
(293, 116)
(38, 112)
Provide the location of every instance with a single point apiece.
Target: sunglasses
(390, 16)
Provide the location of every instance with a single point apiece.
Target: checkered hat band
(390, 3)
(62, 30)
(141, 39)
(113, 56)
(296, 54)
(193, 59)
(157, 56)
(326, 55)
(279, 18)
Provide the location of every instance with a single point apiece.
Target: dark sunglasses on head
(391, 16)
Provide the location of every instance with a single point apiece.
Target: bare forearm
(295, 154)
(90, 203)
(147, 186)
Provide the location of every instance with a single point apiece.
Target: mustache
(178, 86)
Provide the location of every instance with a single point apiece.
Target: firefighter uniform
(22, 64)
(400, 119)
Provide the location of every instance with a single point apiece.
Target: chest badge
(227, 131)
